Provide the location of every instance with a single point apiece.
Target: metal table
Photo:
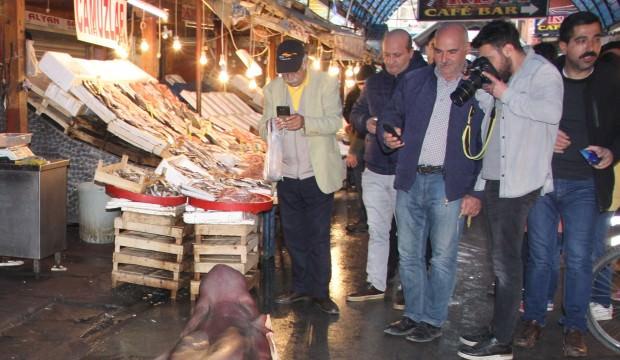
(33, 210)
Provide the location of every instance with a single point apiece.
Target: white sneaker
(600, 312)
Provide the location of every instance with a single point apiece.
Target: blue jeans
(575, 202)
(601, 289)
(421, 212)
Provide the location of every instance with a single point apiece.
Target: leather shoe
(402, 327)
(529, 335)
(574, 344)
(291, 297)
(327, 306)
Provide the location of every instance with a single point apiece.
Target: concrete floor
(76, 315)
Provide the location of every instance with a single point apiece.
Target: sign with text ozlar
(433, 10)
(101, 22)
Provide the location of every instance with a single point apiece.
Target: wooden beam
(14, 60)
(271, 60)
(148, 60)
(198, 65)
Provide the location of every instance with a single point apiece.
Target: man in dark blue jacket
(378, 178)
(434, 181)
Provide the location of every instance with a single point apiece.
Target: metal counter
(33, 210)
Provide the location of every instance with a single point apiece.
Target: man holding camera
(434, 181)
(516, 169)
(587, 144)
(312, 169)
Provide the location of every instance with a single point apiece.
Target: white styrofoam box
(190, 191)
(93, 103)
(67, 71)
(61, 69)
(219, 217)
(137, 137)
(69, 103)
(168, 167)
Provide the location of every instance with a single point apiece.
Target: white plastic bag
(273, 161)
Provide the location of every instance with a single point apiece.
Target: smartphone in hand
(590, 156)
(283, 111)
(390, 129)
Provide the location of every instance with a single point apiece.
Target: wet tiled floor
(75, 315)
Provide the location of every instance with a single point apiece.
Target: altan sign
(433, 10)
(101, 22)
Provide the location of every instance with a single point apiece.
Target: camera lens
(463, 93)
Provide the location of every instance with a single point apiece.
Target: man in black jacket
(378, 178)
(590, 124)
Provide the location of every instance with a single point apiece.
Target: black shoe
(369, 292)
(358, 227)
(424, 333)
(327, 306)
(489, 349)
(402, 327)
(475, 338)
(291, 297)
(399, 300)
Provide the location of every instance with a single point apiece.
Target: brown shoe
(529, 335)
(574, 344)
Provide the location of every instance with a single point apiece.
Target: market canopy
(607, 10)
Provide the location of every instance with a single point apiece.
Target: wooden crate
(139, 275)
(105, 174)
(252, 280)
(151, 259)
(226, 245)
(128, 223)
(152, 242)
(210, 231)
(207, 262)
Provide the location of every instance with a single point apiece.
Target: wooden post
(148, 60)
(199, 8)
(14, 59)
(271, 62)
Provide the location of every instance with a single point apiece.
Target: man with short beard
(516, 170)
(582, 190)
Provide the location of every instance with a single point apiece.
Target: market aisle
(75, 315)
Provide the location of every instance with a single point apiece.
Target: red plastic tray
(254, 207)
(159, 200)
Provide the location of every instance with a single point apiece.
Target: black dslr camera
(467, 88)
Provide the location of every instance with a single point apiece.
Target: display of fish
(233, 159)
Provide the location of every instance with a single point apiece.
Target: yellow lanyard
(467, 136)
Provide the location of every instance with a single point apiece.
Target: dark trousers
(305, 214)
(506, 219)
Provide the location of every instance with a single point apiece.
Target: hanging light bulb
(165, 33)
(176, 43)
(252, 84)
(349, 83)
(223, 77)
(159, 55)
(356, 68)
(121, 52)
(203, 58)
(349, 72)
(334, 70)
(144, 45)
(316, 64)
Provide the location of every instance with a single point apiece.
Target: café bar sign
(433, 10)
(101, 22)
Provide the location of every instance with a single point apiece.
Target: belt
(429, 169)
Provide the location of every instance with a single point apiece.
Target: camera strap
(467, 136)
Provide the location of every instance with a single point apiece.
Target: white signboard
(101, 22)
(49, 23)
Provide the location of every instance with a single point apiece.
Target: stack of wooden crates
(235, 245)
(152, 250)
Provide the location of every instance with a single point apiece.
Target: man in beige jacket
(312, 169)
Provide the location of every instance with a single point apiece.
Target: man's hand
(607, 157)
(351, 160)
(496, 87)
(371, 125)
(562, 141)
(291, 123)
(470, 206)
(392, 141)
